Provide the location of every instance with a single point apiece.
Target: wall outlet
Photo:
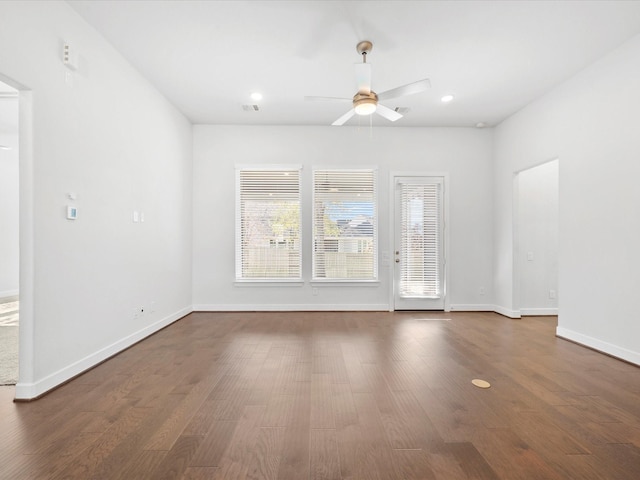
(481, 290)
(552, 294)
(314, 291)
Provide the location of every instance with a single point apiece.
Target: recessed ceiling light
(256, 96)
(447, 98)
(481, 125)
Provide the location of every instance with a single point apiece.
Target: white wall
(591, 124)
(109, 137)
(465, 154)
(537, 239)
(9, 178)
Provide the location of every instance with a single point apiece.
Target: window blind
(420, 240)
(345, 225)
(268, 224)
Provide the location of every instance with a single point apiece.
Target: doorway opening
(10, 238)
(536, 240)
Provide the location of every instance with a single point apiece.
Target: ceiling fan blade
(387, 113)
(409, 89)
(327, 99)
(344, 118)
(363, 77)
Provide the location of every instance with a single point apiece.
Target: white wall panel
(465, 154)
(104, 133)
(591, 124)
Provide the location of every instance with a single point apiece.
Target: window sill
(268, 283)
(345, 283)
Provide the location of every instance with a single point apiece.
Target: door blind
(420, 240)
(268, 224)
(345, 225)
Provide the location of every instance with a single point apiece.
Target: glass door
(418, 244)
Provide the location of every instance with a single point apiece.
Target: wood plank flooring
(340, 395)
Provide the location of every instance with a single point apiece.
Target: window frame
(241, 280)
(344, 281)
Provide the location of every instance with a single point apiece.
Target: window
(268, 224)
(420, 239)
(345, 225)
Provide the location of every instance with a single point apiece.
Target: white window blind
(345, 225)
(420, 240)
(268, 224)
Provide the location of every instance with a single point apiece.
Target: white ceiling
(206, 57)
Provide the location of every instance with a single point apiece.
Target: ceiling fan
(366, 101)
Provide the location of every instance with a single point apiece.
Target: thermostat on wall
(72, 212)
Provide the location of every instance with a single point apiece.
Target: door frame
(445, 227)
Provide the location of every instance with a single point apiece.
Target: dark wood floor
(336, 395)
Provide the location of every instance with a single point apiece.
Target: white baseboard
(310, 307)
(9, 293)
(29, 391)
(321, 307)
(538, 312)
(471, 307)
(506, 312)
(599, 345)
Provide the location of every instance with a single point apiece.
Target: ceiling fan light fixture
(365, 103)
(366, 108)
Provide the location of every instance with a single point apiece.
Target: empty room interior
(319, 239)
